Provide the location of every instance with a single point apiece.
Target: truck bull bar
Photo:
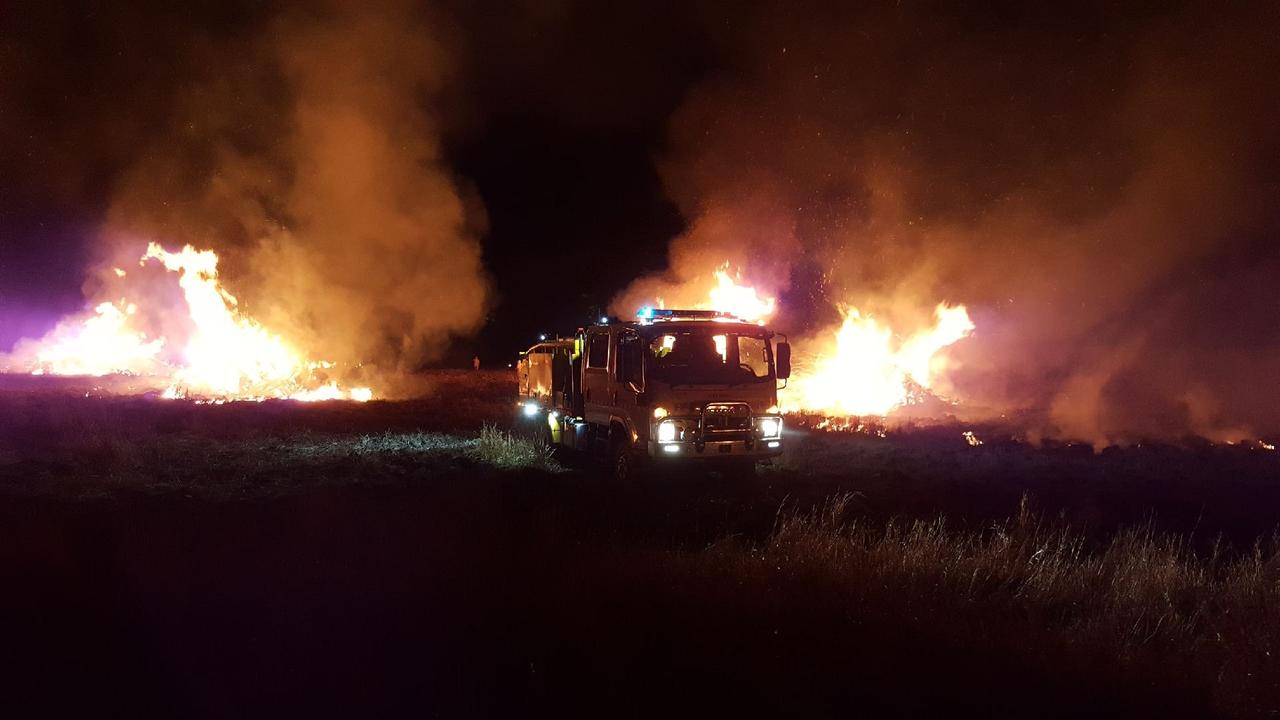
(718, 430)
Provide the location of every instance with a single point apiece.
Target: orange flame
(228, 356)
(860, 368)
(861, 371)
(103, 343)
(739, 300)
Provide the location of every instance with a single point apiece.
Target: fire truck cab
(673, 386)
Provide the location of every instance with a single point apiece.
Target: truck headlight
(666, 431)
(770, 427)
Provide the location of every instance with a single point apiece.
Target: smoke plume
(1097, 185)
(305, 152)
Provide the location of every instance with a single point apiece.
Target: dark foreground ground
(163, 558)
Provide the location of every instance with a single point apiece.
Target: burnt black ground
(154, 560)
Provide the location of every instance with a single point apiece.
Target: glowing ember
(844, 425)
(970, 438)
(227, 355)
(862, 371)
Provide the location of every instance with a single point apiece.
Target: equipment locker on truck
(673, 386)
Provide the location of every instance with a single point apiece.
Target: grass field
(424, 558)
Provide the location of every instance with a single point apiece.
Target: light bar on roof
(649, 314)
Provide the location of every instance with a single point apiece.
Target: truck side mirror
(784, 360)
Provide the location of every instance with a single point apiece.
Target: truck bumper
(715, 450)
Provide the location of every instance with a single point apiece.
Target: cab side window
(631, 359)
(598, 351)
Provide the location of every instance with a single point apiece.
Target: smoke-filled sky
(400, 183)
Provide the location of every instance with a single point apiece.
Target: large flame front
(863, 370)
(227, 355)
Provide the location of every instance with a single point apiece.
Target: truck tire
(621, 465)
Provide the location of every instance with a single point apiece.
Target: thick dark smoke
(1099, 186)
(304, 149)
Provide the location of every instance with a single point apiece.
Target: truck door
(596, 386)
(628, 387)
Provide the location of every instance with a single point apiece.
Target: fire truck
(671, 387)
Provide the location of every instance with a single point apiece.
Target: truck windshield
(710, 355)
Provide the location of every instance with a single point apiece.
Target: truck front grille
(727, 421)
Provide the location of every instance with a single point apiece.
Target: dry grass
(1143, 598)
(504, 449)
(1139, 588)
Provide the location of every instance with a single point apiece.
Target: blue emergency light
(650, 314)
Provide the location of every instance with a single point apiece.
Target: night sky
(1097, 182)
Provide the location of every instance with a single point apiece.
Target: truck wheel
(623, 468)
